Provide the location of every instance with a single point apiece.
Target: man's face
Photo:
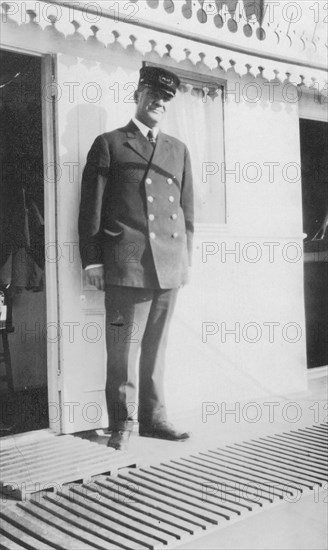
(151, 106)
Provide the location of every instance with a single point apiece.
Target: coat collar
(141, 145)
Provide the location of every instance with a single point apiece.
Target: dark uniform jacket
(136, 212)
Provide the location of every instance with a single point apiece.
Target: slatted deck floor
(168, 503)
(26, 468)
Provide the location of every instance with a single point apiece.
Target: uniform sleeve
(94, 180)
(187, 202)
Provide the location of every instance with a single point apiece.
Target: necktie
(151, 138)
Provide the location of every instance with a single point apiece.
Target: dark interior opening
(23, 350)
(314, 161)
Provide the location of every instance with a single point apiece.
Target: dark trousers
(137, 323)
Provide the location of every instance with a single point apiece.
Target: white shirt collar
(145, 129)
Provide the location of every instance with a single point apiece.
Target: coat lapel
(162, 151)
(141, 145)
(138, 142)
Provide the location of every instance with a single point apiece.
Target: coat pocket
(112, 233)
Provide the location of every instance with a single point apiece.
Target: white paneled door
(92, 98)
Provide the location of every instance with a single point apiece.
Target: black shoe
(119, 440)
(163, 430)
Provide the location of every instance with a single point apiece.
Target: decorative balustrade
(282, 27)
(194, 35)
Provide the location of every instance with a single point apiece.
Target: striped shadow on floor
(169, 503)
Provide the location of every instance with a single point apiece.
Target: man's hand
(187, 281)
(96, 277)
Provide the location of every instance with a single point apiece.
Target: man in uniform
(136, 228)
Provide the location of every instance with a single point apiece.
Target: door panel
(89, 103)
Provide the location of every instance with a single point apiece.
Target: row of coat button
(152, 235)
(149, 181)
(151, 199)
(151, 217)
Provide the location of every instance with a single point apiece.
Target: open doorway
(23, 345)
(314, 159)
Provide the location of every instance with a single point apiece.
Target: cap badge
(165, 80)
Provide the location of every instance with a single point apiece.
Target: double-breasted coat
(136, 213)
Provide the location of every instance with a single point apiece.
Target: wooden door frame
(50, 157)
(315, 111)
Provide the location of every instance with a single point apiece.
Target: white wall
(230, 290)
